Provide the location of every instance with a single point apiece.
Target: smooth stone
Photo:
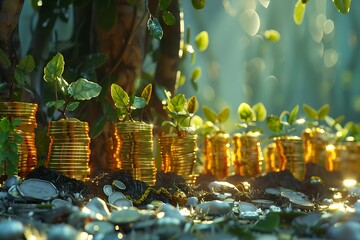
(219, 186)
(11, 229)
(58, 203)
(11, 181)
(125, 216)
(123, 203)
(249, 215)
(246, 207)
(115, 196)
(192, 201)
(38, 189)
(119, 184)
(63, 232)
(214, 207)
(274, 208)
(96, 227)
(168, 210)
(108, 190)
(98, 206)
(347, 230)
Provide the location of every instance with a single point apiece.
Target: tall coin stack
(291, 155)
(271, 160)
(247, 154)
(132, 147)
(26, 113)
(69, 149)
(216, 151)
(315, 141)
(179, 155)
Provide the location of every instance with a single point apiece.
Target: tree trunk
(9, 38)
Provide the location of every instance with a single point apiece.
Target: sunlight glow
(349, 183)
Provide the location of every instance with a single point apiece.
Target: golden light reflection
(160, 215)
(348, 183)
(86, 210)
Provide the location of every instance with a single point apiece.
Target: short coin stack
(217, 155)
(133, 150)
(26, 113)
(315, 141)
(69, 149)
(247, 154)
(178, 154)
(291, 155)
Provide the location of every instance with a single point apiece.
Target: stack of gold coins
(217, 155)
(271, 161)
(179, 155)
(69, 149)
(315, 141)
(291, 155)
(26, 113)
(132, 147)
(347, 159)
(247, 154)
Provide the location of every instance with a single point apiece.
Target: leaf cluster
(214, 120)
(180, 110)
(20, 79)
(286, 123)
(125, 104)
(316, 116)
(9, 146)
(251, 115)
(79, 90)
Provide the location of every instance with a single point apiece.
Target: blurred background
(314, 63)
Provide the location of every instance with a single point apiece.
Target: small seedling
(81, 89)
(125, 104)
(250, 116)
(286, 123)
(180, 110)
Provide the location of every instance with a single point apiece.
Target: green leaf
(224, 115)
(138, 103)
(105, 13)
(177, 103)
(178, 116)
(27, 64)
(21, 77)
(168, 18)
(196, 121)
(164, 123)
(98, 126)
(293, 114)
(269, 224)
(246, 113)
(54, 68)
(18, 138)
(343, 6)
(164, 4)
(260, 111)
(202, 41)
(63, 85)
(210, 115)
(4, 59)
(56, 104)
(121, 113)
(272, 35)
(192, 105)
(198, 4)
(196, 74)
(16, 122)
(4, 125)
(310, 112)
(155, 28)
(146, 93)
(273, 123)
(323, 111)
(181, 80)
(83, 89)
(119, 96)
(299, 12)
(72, 106)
